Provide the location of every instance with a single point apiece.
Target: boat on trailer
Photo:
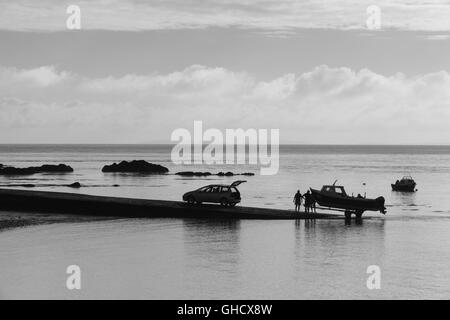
(335, 198)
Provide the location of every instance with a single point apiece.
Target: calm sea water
(205, 259)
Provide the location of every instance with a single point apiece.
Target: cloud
(324, 105)
(277, 17)
(42, 76)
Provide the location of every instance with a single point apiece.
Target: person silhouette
(313, 203)
(308, 201)
(298, 201)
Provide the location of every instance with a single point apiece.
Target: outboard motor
(380, 201)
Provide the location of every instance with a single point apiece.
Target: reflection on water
(342, 233)
(241, 259)
(216, 230)
(403, 198)
(212, 241)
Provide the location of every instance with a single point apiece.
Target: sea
(167, 258)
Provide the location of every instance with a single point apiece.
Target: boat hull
(404, 187)
(347, 203)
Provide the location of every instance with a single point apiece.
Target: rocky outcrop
(205, 174)
(137, 166)
(193, 174)
(226, 174)
(75, 185)
(22, 185)
(46, 168)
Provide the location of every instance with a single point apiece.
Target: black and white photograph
(219, 150)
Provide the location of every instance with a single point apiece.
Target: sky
(137, 70)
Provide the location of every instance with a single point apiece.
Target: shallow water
(184, 258)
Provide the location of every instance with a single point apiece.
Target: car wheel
(232, 204)
(223, 202)
(190, 200)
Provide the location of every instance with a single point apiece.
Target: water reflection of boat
(406, 184)
(334, 197)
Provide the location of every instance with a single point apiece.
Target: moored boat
(406, 184)
(335, 197)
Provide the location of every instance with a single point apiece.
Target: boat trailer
(347, 212)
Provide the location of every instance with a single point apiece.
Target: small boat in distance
(335, 198)
(406, 184)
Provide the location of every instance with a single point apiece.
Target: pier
(81, 204)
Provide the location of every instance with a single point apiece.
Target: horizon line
(170, 144)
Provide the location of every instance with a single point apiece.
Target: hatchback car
(226, 195)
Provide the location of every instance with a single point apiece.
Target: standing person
(308, 199)
(298, 201)
(313, 203)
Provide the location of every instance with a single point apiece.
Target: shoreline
(88, 205)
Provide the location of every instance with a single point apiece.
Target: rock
(220, 174)
(75, 185)
(46, 168)
(227, 174)
(52, 168)
(193, 174)
(137, 166)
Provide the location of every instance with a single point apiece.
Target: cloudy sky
(137, 70)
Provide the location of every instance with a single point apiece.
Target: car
(226, 195)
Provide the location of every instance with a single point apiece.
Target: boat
(334, 197)
(406, 184)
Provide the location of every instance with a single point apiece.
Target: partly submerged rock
(193, 174)
(46, 168)
(75, 185)
(204, 174)
(138, 166)
(54, 168)
(226, 174)
(21, 185)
